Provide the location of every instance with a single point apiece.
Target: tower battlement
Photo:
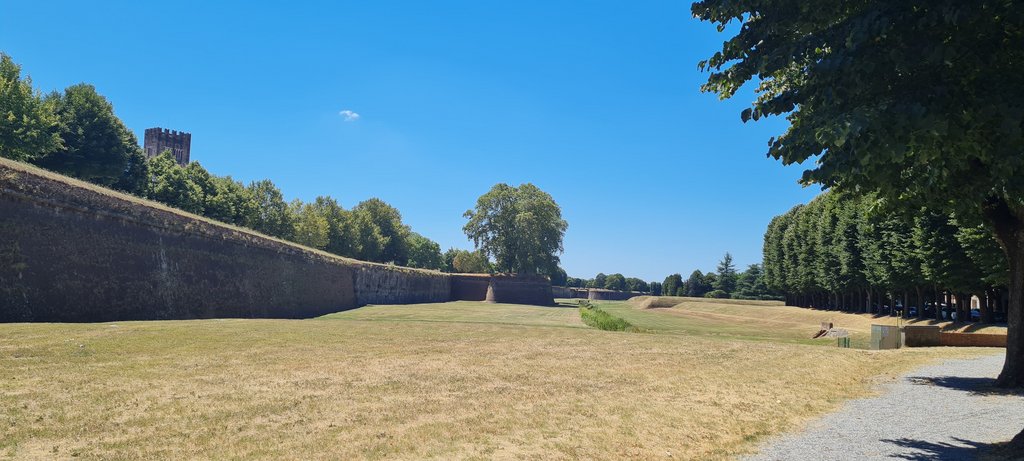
(159, 139)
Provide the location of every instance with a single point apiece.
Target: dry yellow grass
(438, 383)
(769, 320)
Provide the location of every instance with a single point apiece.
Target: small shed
(885, 337)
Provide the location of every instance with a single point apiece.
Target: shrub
(716, 294)
(597, 318)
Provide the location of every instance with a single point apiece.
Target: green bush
(597, 318)
(716, 294)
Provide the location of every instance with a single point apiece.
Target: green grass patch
(597, 318)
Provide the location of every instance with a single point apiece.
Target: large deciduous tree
(697, 285)
(470, 262)
(559, 277)
(383, 237)
(615, 282)
(424, 253)
(341, 228)
(171, 184)
(97, 146)
(309, 227)
(272, 217)
(673, 286)
(520, 227)
(919, 101)
(28, 126)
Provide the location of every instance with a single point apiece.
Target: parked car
(975, 315)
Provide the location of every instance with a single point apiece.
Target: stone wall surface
(470, 287)
(582, 293)
(74, 252)
(380, 284)
(561, 292)
(520, 289)
(595, 294)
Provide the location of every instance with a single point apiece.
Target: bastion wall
(74, 252)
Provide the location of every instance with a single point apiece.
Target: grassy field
(759, 320)
(434, 381)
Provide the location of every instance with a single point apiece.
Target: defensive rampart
(74, 252)
(595, 294)
(520, 289)
(561, 292)
(470, 287)
(380, 284)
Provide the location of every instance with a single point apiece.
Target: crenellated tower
(158, 140)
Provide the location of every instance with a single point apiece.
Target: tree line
(724, 282)
(877, 106)
(854, 253)
(617, 282)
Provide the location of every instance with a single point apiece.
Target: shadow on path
(927, 451)
(975, 386)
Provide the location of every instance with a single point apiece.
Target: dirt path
(947, 411)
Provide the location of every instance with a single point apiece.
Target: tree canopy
(470, 262)
(916, 101)
(424, 253)
(521, 228)
(887, 256)
(97, 146)
(726, 281)
(28, 125)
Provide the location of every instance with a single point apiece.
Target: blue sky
(597, 103)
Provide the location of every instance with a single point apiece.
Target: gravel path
(946, 411)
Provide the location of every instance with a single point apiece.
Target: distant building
(160, 139)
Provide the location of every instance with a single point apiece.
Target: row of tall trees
(916, 101)
(849, 252)
(76, 133)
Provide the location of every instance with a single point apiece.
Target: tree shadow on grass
(974, 386)
(926, 451)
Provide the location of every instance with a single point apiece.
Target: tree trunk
(921, 302)
(987, 305)
(935, 305)
(1008, 223)
(1017, 444)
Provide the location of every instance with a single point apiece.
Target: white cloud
(350, 116)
